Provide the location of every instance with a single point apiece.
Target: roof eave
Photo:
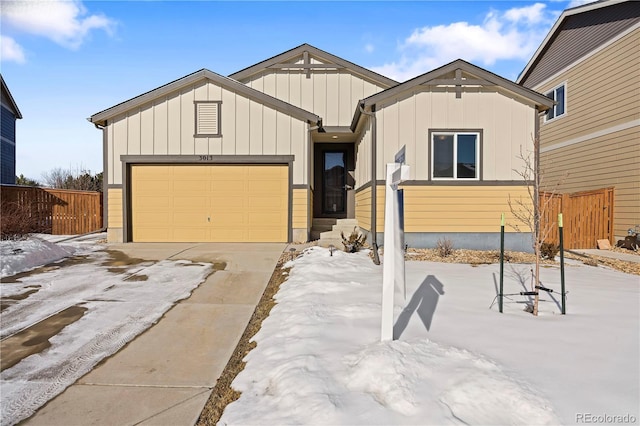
(260, 66)
(552, 32)
(233, 85)
(542, 102)
(14, 105)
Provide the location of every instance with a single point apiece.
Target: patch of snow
(319, 360)
(120, 305)
(24, 255)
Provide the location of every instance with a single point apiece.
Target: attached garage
(209, 203)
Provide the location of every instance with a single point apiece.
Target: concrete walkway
(627, 257)
(165, 375)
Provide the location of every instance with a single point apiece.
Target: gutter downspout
(374, 191)
(105, 175)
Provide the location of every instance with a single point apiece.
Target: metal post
(564, 297)
(501, 262)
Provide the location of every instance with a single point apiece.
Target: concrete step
(347, 222)
(323, 221)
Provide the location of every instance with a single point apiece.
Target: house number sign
(205, 157)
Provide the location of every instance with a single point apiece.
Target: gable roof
(583, 36)
(314, 51)
(204, 74)
(9, 97)
(438, 77)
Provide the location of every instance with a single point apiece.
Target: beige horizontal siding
(363, 208)
(458, 208)
(606, 161)
(299, 205)
(167, 126)
(114, 200)
(602, 91)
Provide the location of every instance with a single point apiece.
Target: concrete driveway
(165, 375)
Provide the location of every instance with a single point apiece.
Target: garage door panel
(265, 204)
(244, 203)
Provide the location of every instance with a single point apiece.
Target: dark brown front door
(332, 164)
(334, 181)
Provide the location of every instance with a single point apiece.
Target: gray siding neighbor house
(10, 113)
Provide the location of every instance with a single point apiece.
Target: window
(455, 155)
(208, 119)
(559, 94)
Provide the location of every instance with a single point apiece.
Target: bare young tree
(528, 212)
(76, 178)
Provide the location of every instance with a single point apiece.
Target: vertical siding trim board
(211, 160)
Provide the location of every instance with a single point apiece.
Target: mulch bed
(479, 257)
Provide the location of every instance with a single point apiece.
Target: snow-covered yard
(455, 361)
(111, 301)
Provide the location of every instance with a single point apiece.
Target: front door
(332, 179)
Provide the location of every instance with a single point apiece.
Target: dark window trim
(480, 153)
(195, 128)
(551, 93)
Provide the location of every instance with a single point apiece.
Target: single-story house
(304, 136)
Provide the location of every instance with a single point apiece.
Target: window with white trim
(559, 94)
(455, 155)
(208, 118)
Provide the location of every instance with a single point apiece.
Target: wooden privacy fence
(55, 211)
(587, 217)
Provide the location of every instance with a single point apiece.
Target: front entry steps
(333, 237)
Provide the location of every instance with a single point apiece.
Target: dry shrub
(548, 251)
(444, 247)
(355, 241)
(16, 221)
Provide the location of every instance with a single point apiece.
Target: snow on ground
(24, 255)
(120, 304)
(455, 361)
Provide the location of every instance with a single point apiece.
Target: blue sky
(66, 60)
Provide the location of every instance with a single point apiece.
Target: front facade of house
(261, 154)
(590, 64)
(9, 114)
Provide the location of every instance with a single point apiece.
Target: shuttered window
(208, 119)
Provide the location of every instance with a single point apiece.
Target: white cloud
(574, 3)
(66, 22)
(10, 50)
(369, 48)
(508, 35)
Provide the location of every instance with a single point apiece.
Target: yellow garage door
(221, 203)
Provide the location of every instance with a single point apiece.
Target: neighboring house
(261, 154)
(590, 140)
(10, 113)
